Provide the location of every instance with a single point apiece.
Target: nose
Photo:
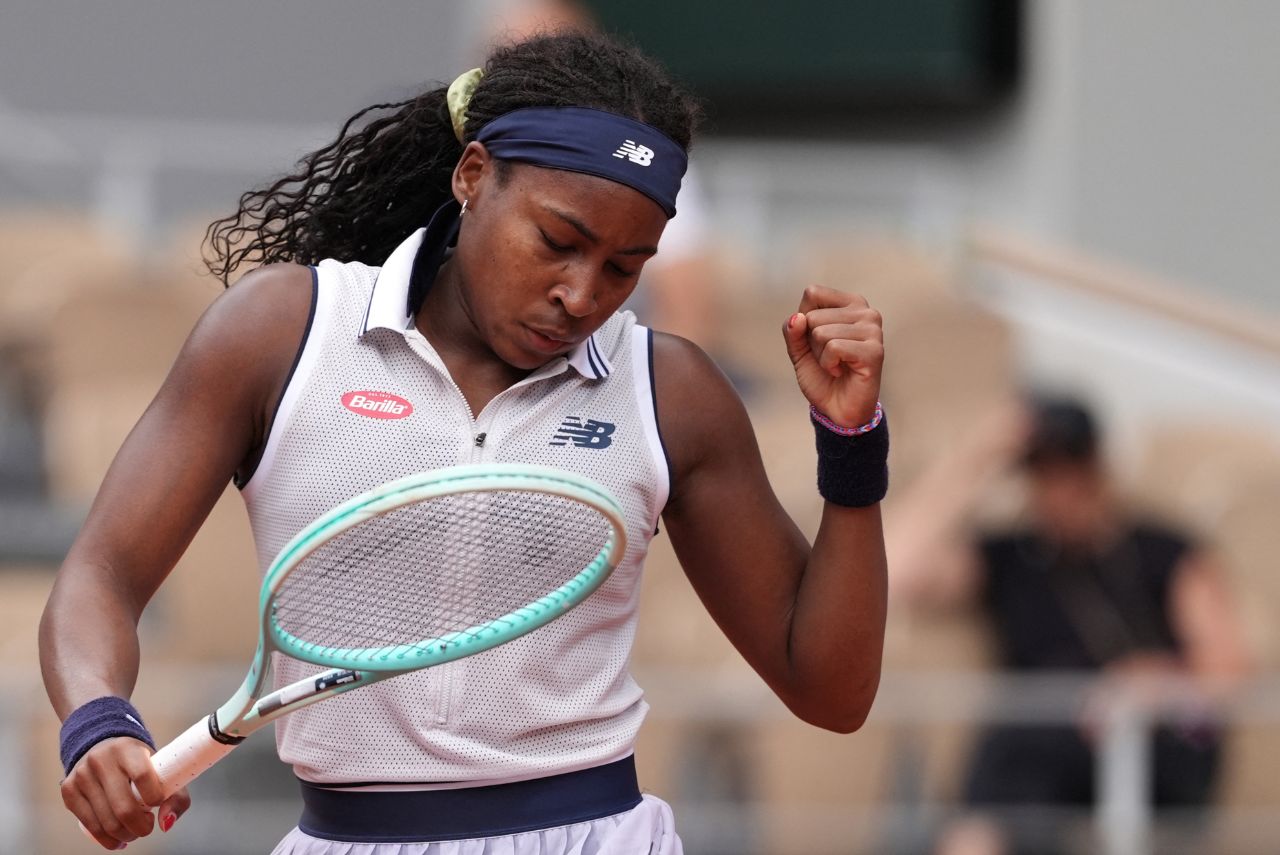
(576, 292)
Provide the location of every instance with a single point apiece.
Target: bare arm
(1207, 622)
(810, 621)
(1214, 656)
(932, 560)
(205, 421)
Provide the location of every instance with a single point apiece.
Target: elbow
(839, 712)
(850, 721)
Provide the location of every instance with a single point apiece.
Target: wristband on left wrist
(853, 463)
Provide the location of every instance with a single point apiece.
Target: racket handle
(183, 760)
(189, 756)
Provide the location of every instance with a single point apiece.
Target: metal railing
(1151, 295)
(248, 802)
(1123, 817)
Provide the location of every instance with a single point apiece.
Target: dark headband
(580, 139)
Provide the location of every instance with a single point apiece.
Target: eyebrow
(593, 237)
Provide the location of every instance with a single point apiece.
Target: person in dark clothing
(1081, 584)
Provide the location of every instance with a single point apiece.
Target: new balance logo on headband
(635, 152)
(588, 434)
(579, 139)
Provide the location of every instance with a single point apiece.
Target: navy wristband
(101, 718)
(853, 470)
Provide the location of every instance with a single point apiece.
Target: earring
(464, 207)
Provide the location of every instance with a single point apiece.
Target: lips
(550, 341)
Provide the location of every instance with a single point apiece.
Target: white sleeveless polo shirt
(370, 400)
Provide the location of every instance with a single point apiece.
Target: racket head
(324, 600)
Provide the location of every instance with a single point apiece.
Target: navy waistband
(422, 816)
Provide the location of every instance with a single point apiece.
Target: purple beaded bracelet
(821, 418)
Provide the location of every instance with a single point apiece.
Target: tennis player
(442, 286)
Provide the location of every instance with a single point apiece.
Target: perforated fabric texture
(556, 700)
(398, 583)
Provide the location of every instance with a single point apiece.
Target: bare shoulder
(240, 352)
(273, 294)
(682, 363)
(262, 315)
(701, 417)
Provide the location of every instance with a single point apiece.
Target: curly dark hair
(391, 166)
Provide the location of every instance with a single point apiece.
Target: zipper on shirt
(480, 444)
(445, 694)
(479, 432)
(482, 426)
(450, 677)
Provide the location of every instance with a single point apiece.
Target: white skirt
(646, 829)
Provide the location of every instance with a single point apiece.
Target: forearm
(927, 528)
(88, 651)
(88, 639)
(1207, 621)
(809, 619)
(835, 640)
(929, 521)
(937, 503)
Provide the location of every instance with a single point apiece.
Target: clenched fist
(836, 344)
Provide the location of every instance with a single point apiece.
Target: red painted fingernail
(167, 821)
(791, 322)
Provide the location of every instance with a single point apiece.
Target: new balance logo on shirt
(588, 434)
(635, 152)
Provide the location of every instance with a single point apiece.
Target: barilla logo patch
(377, 405)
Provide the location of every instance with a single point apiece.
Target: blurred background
(1070, 196)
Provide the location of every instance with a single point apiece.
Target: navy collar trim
(410, 270)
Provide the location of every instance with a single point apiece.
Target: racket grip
(189, 756)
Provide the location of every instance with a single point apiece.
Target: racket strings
(441, 567)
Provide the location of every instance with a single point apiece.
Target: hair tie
(459, 96)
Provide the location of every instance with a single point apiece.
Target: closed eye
(555, 247)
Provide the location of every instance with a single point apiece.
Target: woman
(1082, 583)
(544, 184)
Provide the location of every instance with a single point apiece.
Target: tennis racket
(420, 571)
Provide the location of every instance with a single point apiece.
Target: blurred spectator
(1082, 583)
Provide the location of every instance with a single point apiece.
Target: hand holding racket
(420, 571)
